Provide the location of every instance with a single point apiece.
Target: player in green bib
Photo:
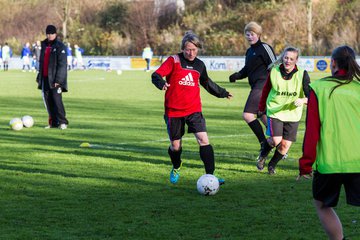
(332, 137)
(283, 97)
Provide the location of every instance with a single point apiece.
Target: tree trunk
(66, 17)
(309, 25)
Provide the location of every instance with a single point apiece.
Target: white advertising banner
(310, 64)
(223, 63)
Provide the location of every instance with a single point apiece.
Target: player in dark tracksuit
(258, 57)
(52, 77)
(184, 73)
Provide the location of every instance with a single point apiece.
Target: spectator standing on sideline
(52, 77)
(258, 58)
(283, 97)
(6, 55)
(331, 138)
(78, 55)
(69, 56)
(184, 73)
(36, 54)
(1, 61)
(25, 56)
(147, 54)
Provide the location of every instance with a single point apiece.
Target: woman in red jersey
(331, 138)
(184, 73)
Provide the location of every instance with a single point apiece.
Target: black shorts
(278, 128)
(176, 125)
(253, 100)
(327, 187)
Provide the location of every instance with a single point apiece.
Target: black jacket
(258, 57)
(57, 72)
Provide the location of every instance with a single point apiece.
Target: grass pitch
(51, 188)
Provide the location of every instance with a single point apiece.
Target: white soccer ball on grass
(208, 184)
(16, 124)
(27, 121)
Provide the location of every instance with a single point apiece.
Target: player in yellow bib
(331, 138)
(284, 95)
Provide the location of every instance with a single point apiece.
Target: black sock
(175, 157)
(276, 158)
(207, 156)
(258, 130)
(265, 149)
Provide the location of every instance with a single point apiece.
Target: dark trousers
(147, 63)
(54, 105)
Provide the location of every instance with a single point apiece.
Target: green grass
(53, 189)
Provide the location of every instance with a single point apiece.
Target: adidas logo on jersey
(187, 80)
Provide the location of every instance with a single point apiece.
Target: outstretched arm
(212, 87)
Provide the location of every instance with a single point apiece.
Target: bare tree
(64, 16)
(142, 23)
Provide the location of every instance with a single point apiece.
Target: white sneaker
(63, 126)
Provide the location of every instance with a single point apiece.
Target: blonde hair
(190, 37)
(253, 27)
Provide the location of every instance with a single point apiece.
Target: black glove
(233, 77)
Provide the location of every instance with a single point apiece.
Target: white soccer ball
(208, 184)
(119, 72)
(16, 124)
(27, 121)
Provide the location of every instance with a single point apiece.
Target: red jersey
(182, 98)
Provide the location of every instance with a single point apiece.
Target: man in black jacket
(52, 77)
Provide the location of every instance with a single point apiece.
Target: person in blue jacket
(25, 56)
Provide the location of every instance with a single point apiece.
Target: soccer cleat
(260, 162)
(174, 175)
(271, 170)
(285, 156)
(63, 126)
(221, 181)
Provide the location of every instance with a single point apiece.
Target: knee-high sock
(175, 157)
(207, 156)
(258, 130)
(276, 158)
(265, 149)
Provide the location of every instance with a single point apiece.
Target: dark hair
(344, 57)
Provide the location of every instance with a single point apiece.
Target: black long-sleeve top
(258, 58)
